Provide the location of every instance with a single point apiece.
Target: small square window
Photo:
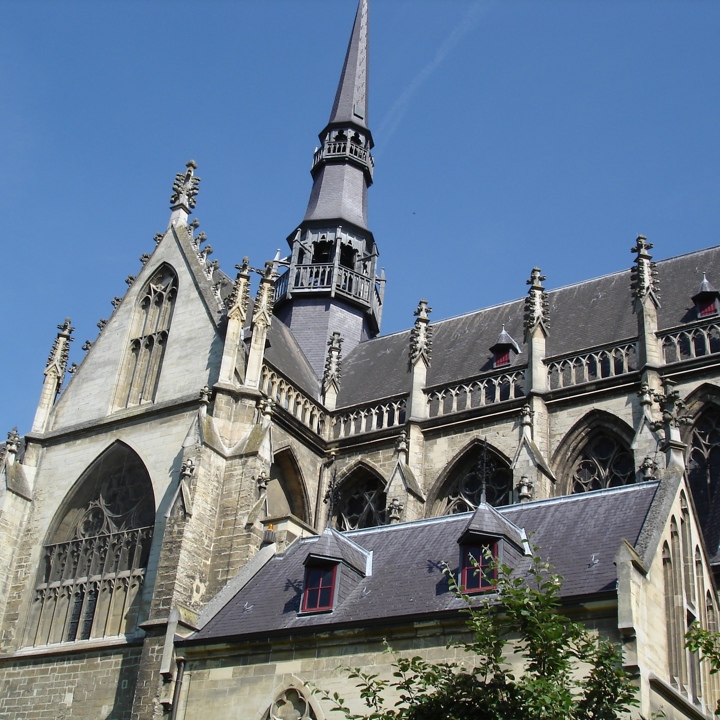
(502, 357)
(476, 573)
(319, 588)
(707, 307)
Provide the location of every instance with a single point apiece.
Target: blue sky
(508, 134)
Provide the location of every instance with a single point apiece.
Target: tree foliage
(567, 673)
(707, 643)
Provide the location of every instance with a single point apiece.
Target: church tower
(331, 283)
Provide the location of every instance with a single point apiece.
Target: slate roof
(585, 315)
(579, 533)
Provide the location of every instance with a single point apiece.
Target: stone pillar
(646, 302)
(537, 327)
(333, 370)
(236, 317)
(262, 317)
(420, 355)
(54, 376)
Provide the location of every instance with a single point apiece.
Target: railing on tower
(345, 149)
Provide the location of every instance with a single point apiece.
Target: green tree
(568, 674)
(707, 643)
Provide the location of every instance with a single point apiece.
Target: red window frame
(707, 308)
(476, 575)
(502, 357)
(319, 592)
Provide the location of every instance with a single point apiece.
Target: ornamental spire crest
(58, 358)
(262, 312)
(643, 275)
(537, 307)
(333, 362)
(240, 295)
(185, 188)
(421, 335)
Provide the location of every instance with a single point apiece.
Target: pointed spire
(536, 304)
(185, 189)
(643, 274)
(351, 99)
(421, 335)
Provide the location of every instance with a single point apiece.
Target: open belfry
(244, 486)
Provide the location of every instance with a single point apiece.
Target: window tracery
(604, 462)
(93, 567)
(141, 371)
(361, 503)
(704, 472)
(290, 705)
(483, 473)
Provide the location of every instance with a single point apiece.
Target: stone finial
(643, 275)
(537, 307)
(333, 362)
(262, 312)
(421, 335)
(525, 489)
(58, 358)
(12, 446)
(205, 395)
(395, 510)
(185, 188)
(239, 299)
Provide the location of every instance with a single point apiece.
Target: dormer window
(477, 573)
(504, 349)
(706, 299)
(319, 592)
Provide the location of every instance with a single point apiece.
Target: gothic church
(244, 485)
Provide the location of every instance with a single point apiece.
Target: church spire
(342, 167)
(331, 283)
(351, 99)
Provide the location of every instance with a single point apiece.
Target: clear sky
(508, 134)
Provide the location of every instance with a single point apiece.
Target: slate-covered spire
(331, 283)
(351, 99)
(342, 166)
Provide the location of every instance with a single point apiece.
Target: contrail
(395, 114)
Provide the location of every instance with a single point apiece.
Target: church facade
(244, 485)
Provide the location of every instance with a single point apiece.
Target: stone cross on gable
(185, 188)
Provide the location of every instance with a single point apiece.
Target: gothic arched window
(290, 705)
(482, 471)
(361, 502)
(604, 462)
(148, 338)
(704, 474)
(93, 563)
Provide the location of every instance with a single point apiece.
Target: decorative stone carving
(205, 395)
(333, 362)
(12, 446)
(525, 489)
(262, 312)
(130, 279)
(58, 358)
(649, 468)
(671, 406)
(101, 323)
(421, 335)
(262, 482)
(144, 258)
(185, 188)
(537, 308)
(643, 275)
(239, 299)
(115, 302)
(395, 510)
(157, 238)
